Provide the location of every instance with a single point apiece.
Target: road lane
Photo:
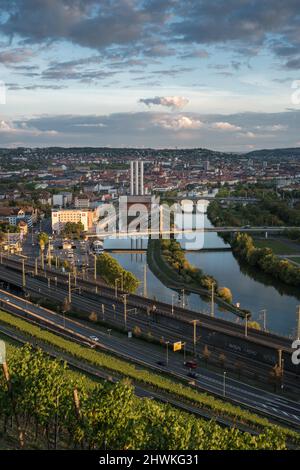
(269, 403)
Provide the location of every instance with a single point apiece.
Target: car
(94, 338)
(191, 364)
(161, 363)
(193, 375)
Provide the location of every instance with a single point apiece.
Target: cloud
(154, 129)
(179, 123)
(174, 102)
(226, 126)
(19, 129)
(157, 28)
(293, 64)
(195, 54)
(13, 56)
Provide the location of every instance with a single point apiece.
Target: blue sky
(164, 73)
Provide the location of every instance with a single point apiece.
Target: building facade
(60, 217)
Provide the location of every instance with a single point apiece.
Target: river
(253, 290)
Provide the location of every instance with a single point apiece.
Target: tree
(137, 331)
(226, 294)
(66, 305)
(254, 324)
(43, 240)
(239, 367)
(206, 354)
(111, 271)
(73, 229)
(276, 375)
(93, 317)
(222, 359)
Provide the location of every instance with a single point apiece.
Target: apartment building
(61, 216)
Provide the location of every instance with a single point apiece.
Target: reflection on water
(254, 290)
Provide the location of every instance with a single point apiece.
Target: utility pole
(298, 322)
(280, 358)
(167, 344)
(49, 254)
(264, 312)
(75, 276)
(70, 292)
(36, 267)
(173, 304)
(183, 345)
(42, 260)
(145, 280)
(195, 322)
(224, 384)
(95, 273)
(103, 312)
(246, 325)
(212, 307)
(183, 300)
(23, 274)
(125, 310)
(95, 268)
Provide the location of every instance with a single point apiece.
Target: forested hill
(265, 153)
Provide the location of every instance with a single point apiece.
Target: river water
(253, 290)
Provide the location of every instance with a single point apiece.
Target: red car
(191, 364)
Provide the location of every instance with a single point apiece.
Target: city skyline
(150, 74)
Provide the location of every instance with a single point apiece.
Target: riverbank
(172, 279)
(262, 255)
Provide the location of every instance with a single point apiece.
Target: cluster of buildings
(22, 218)
(69, 184)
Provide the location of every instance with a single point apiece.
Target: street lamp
(167, 352)
(183, 345)
(173, 295)
(183, 300)
(246, 324)
(116, 286)
(264, 314)
(212, 306)
(195, 323)
(125, 310)
(224, 384)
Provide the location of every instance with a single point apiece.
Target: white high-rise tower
(136, 178)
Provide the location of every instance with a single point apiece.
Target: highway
(162, 323)
(163, 309)
(148, 355)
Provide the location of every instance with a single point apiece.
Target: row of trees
(73, 230)
(174, 256)
(112, 272)
(51, 409)
(267, 212)
(293, 234)
(265, 259)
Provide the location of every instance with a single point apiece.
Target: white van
(98, 247)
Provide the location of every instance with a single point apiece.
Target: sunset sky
(155, 73)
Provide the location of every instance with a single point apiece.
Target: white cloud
(174, 102)
(179, 123)
(225, 126)
(21, 129)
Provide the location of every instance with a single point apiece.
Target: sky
(220, 74)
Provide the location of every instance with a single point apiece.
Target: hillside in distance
(279, 152)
